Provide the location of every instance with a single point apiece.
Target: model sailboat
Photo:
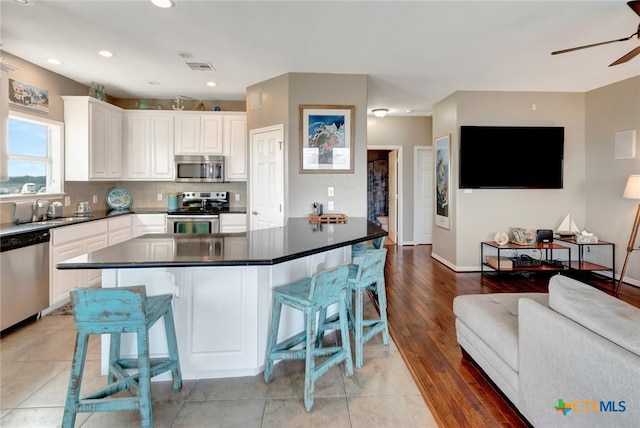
(567, 227)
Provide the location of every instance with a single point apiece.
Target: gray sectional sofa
(569, 358)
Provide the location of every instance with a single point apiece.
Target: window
(34, 149)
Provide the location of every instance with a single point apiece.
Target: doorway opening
(383, 190)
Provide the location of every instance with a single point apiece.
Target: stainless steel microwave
(199, 169)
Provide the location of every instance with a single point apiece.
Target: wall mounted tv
(511, 157)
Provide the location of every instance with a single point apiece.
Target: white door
(393, 196)
(267, 177)
(423, 201)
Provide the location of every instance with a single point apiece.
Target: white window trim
(57, 145)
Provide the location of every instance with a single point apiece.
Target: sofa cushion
(601, 313)
(494, 318)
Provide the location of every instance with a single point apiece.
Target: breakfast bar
(222, 286)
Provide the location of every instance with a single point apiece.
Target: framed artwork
(443, 180)
(28, 96)
(326, 138)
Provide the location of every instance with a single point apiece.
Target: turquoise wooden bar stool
(366, 275)
(115, 311)
(361, 247)
(311, 295)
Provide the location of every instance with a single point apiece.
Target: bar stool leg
(382, 303)
(344, 337)
(75, 381)
(170, 331)
(114, 355)
(273, 338)
(144, 380)
(359, 326)
(309, 363)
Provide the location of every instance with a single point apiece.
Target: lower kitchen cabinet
(120, 229)
(72, 241)
(149, 223)
(233, 222)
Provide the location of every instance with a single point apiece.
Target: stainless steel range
(198, 212)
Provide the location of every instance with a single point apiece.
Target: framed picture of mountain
(442, 180)
(326, 138)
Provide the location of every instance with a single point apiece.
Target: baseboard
(453, 267)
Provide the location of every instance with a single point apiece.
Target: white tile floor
(35, 363)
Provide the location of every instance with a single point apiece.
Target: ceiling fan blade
(626, 57)
(594, 44)
(635, 5)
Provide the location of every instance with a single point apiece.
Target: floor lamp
(631, 191)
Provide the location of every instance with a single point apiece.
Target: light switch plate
(330, 191)
(159, 196)
(330, 206)
(95, 199)
(67, 201)
(237, 197)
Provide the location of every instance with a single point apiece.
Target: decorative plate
(119, 198)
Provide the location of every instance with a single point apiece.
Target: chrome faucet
(35, 208)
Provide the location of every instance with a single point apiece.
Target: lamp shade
(632, 189)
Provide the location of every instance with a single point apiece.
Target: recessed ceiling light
(211, 84)
(185, 55)
(153, 82)
(54, 61)
(106, 54)
(21, 1)
(163, 3)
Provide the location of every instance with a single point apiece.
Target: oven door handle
(192, 217)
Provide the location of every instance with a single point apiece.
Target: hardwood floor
(420, 294)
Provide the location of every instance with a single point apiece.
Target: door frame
(399, 202)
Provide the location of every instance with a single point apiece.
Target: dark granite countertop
(260, 247)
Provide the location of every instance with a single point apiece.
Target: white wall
(609, 109)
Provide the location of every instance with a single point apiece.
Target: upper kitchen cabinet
(198, 134)
(93, 139)
(149, 145)
(235, 141)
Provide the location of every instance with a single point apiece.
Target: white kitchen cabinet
(149, 223)
(198, 134)
(233, 222)
(149, 145)
(72, 241)
(93, 139)
(235, 142)
(120, 229)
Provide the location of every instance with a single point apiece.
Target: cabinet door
(137, 146)
(162, 147)
(119, 236)
(94, 276)
(235, 139)
(113, 144)
(232, 223)
(61, 281)
(98, 167)
(187, 134)
(211, 135)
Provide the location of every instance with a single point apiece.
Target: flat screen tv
(511, 157)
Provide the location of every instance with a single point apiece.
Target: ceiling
(415, 52)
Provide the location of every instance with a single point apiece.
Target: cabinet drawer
(150, 220)
(78, 232)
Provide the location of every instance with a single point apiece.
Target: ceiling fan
(635, 5)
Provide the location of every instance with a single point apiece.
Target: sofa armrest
(561, 360)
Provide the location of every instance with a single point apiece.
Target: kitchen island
(222, 286)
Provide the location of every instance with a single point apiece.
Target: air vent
(201, 66)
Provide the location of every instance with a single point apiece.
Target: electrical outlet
(159, 196)
(95, 199)
(67, 201)
(330, 206)
(330, 191)
(237, 197)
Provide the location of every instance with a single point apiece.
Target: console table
(582, 265)
(546, 251)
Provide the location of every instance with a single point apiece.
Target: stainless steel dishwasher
(24, 276)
